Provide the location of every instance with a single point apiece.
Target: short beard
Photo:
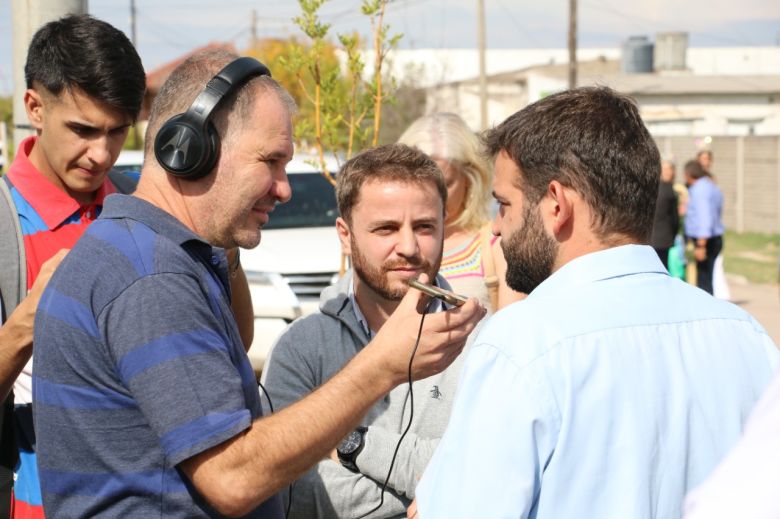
(376, 277)
(530, 253)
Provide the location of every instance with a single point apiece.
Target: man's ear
(35, 107)
(342, 228)
(560, 206)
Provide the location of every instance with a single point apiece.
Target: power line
(162, 32)
(634, 20)
(517, 24)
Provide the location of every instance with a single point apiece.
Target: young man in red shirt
(85, 86)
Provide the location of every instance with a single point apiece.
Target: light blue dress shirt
(703, 213)
(607, 393)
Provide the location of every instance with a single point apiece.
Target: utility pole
(27, 16)
(572, 43)
(132, 25)
(135, 133)
(254, 28)
(483, 105)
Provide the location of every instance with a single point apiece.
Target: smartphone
(448, 297)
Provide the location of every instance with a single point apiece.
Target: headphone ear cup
(182, 149)
(212, 153)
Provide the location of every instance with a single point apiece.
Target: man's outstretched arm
(239, 474)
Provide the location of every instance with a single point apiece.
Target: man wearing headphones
(141, 375)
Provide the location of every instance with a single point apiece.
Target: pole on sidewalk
(27, 16)
(572, 43)
(483, 104)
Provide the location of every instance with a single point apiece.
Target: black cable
(267, 396)
(289, 501)
(408, 425)
(401, 439)
(289, 493)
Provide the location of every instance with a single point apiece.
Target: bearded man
(612, 388)
(391, 200)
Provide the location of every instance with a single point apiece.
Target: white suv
(298, 256)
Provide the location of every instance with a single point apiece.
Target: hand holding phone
(451, 298)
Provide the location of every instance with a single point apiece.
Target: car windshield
(313, 204)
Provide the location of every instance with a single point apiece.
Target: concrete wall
(747, 169)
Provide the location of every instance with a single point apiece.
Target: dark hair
(695, 170)
(79, 51)
(391, 162)
(591, 140)
(190, 78)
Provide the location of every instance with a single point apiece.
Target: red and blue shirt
(50, 220)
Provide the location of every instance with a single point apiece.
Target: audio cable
(408, 425)
(401, 439)
(290, 491)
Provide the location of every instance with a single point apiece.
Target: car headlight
(272, 296)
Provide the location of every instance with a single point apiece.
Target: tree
(7, 117)
(407, 102)
(284, 57)
(338, 113)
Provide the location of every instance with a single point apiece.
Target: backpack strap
(489, 266)
(13, 275)
(13, 288)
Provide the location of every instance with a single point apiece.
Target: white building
(718, 91)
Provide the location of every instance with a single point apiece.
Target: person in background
(612, 389)
(703, 225)
(666, 222)
(85, 87)
(704, 158)
(720, 286)
(473, 262)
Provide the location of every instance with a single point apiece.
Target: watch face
(350, 443)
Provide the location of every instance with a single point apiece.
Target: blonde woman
(473, 262)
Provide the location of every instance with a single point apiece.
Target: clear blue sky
(169, 28)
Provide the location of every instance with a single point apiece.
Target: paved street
(762, 301)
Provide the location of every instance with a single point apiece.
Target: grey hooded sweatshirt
(310, 352)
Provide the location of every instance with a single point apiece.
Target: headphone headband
(230, 78)
(187, 145)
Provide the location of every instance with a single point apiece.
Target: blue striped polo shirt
(138, 367)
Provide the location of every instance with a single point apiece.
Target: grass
(752, 255)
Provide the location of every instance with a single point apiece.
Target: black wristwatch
(350, 447)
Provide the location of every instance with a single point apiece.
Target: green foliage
(340, 112)
(7, 111)
(7, 116)
(135, 139)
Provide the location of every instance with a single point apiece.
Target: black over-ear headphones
(187, 145)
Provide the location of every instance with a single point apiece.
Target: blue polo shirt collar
(163, 223)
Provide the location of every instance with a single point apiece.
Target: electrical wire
(401, 439)
(408, 425)
(290, 491)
